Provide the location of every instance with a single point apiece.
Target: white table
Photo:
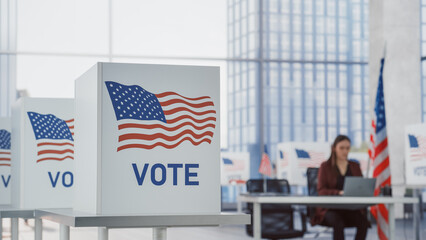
(14, 214)
(159, 223)
(327, 202)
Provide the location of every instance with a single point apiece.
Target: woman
(331, 178)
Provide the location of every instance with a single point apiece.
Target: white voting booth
(235, 167)
(42, 153)
(415, 155)
(147, 139)
(294, 158)
(5, 161)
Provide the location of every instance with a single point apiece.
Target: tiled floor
(51, 232)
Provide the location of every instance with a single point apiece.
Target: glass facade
(311, 58)
(7, 56)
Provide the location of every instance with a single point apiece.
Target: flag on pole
(380, 156)
(265, 164)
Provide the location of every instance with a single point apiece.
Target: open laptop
(359, 187)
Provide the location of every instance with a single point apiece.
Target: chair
(312, 177)
(408, 208)
(277, 219)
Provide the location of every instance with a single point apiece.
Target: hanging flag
(380, 156)
(265, 164)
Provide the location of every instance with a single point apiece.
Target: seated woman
(331, 177)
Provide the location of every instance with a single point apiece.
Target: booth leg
(391, 209)
(64, 232)
(38, 229)
(159, 233)
(102, 233)
(1, 228)
(14, 232)
(416, 216)
(257, 227)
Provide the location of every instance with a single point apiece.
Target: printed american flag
(233, 164)
(265, 167)
(417, 147)
(309, 158)
(54, 137)
(283, 159)
(4, 148)
(380, 158)
(147, 120)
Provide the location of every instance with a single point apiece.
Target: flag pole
(265, 186)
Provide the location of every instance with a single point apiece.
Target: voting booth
(5, 161)
(42, 153)
(147, 139)
(294, 158)
(235, 167)
(415, 155)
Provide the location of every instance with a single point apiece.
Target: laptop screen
(359, 187)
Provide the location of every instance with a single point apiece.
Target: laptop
(359, 187)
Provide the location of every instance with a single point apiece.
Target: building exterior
(311, 60)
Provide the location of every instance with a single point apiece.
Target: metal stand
(1, 228)
(239, 204)
(102, 233)
(64, 232)
(38, 229)
(416, 215)
(14, 229)
(159, 233)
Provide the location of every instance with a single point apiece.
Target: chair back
(312, 177)
(277, 219)
(272, 185)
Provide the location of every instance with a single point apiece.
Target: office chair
(312, 177)
(408, 208)
(277, 219)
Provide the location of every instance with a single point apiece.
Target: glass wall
(7, 55)
(311, 58)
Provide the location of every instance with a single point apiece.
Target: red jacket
(327, 183)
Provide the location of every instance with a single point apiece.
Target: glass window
(320, 116)
(308, 7)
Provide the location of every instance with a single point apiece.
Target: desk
(15, 214)
(159, 223)
(327, 202)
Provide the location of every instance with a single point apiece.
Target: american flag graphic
(233, 164)
(380, 156)
(417, 147)
(309, 158)
(4, 148)
(147, 120)
(283, 159)
(54, 137)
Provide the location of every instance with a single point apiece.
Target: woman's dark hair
(340, 138)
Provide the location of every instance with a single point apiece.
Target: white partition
(294, 158)
(415, 155)
(42, 153)
(5, 161)
(235, 167)
(147, 139)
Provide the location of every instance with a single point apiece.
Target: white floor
(51, 232)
